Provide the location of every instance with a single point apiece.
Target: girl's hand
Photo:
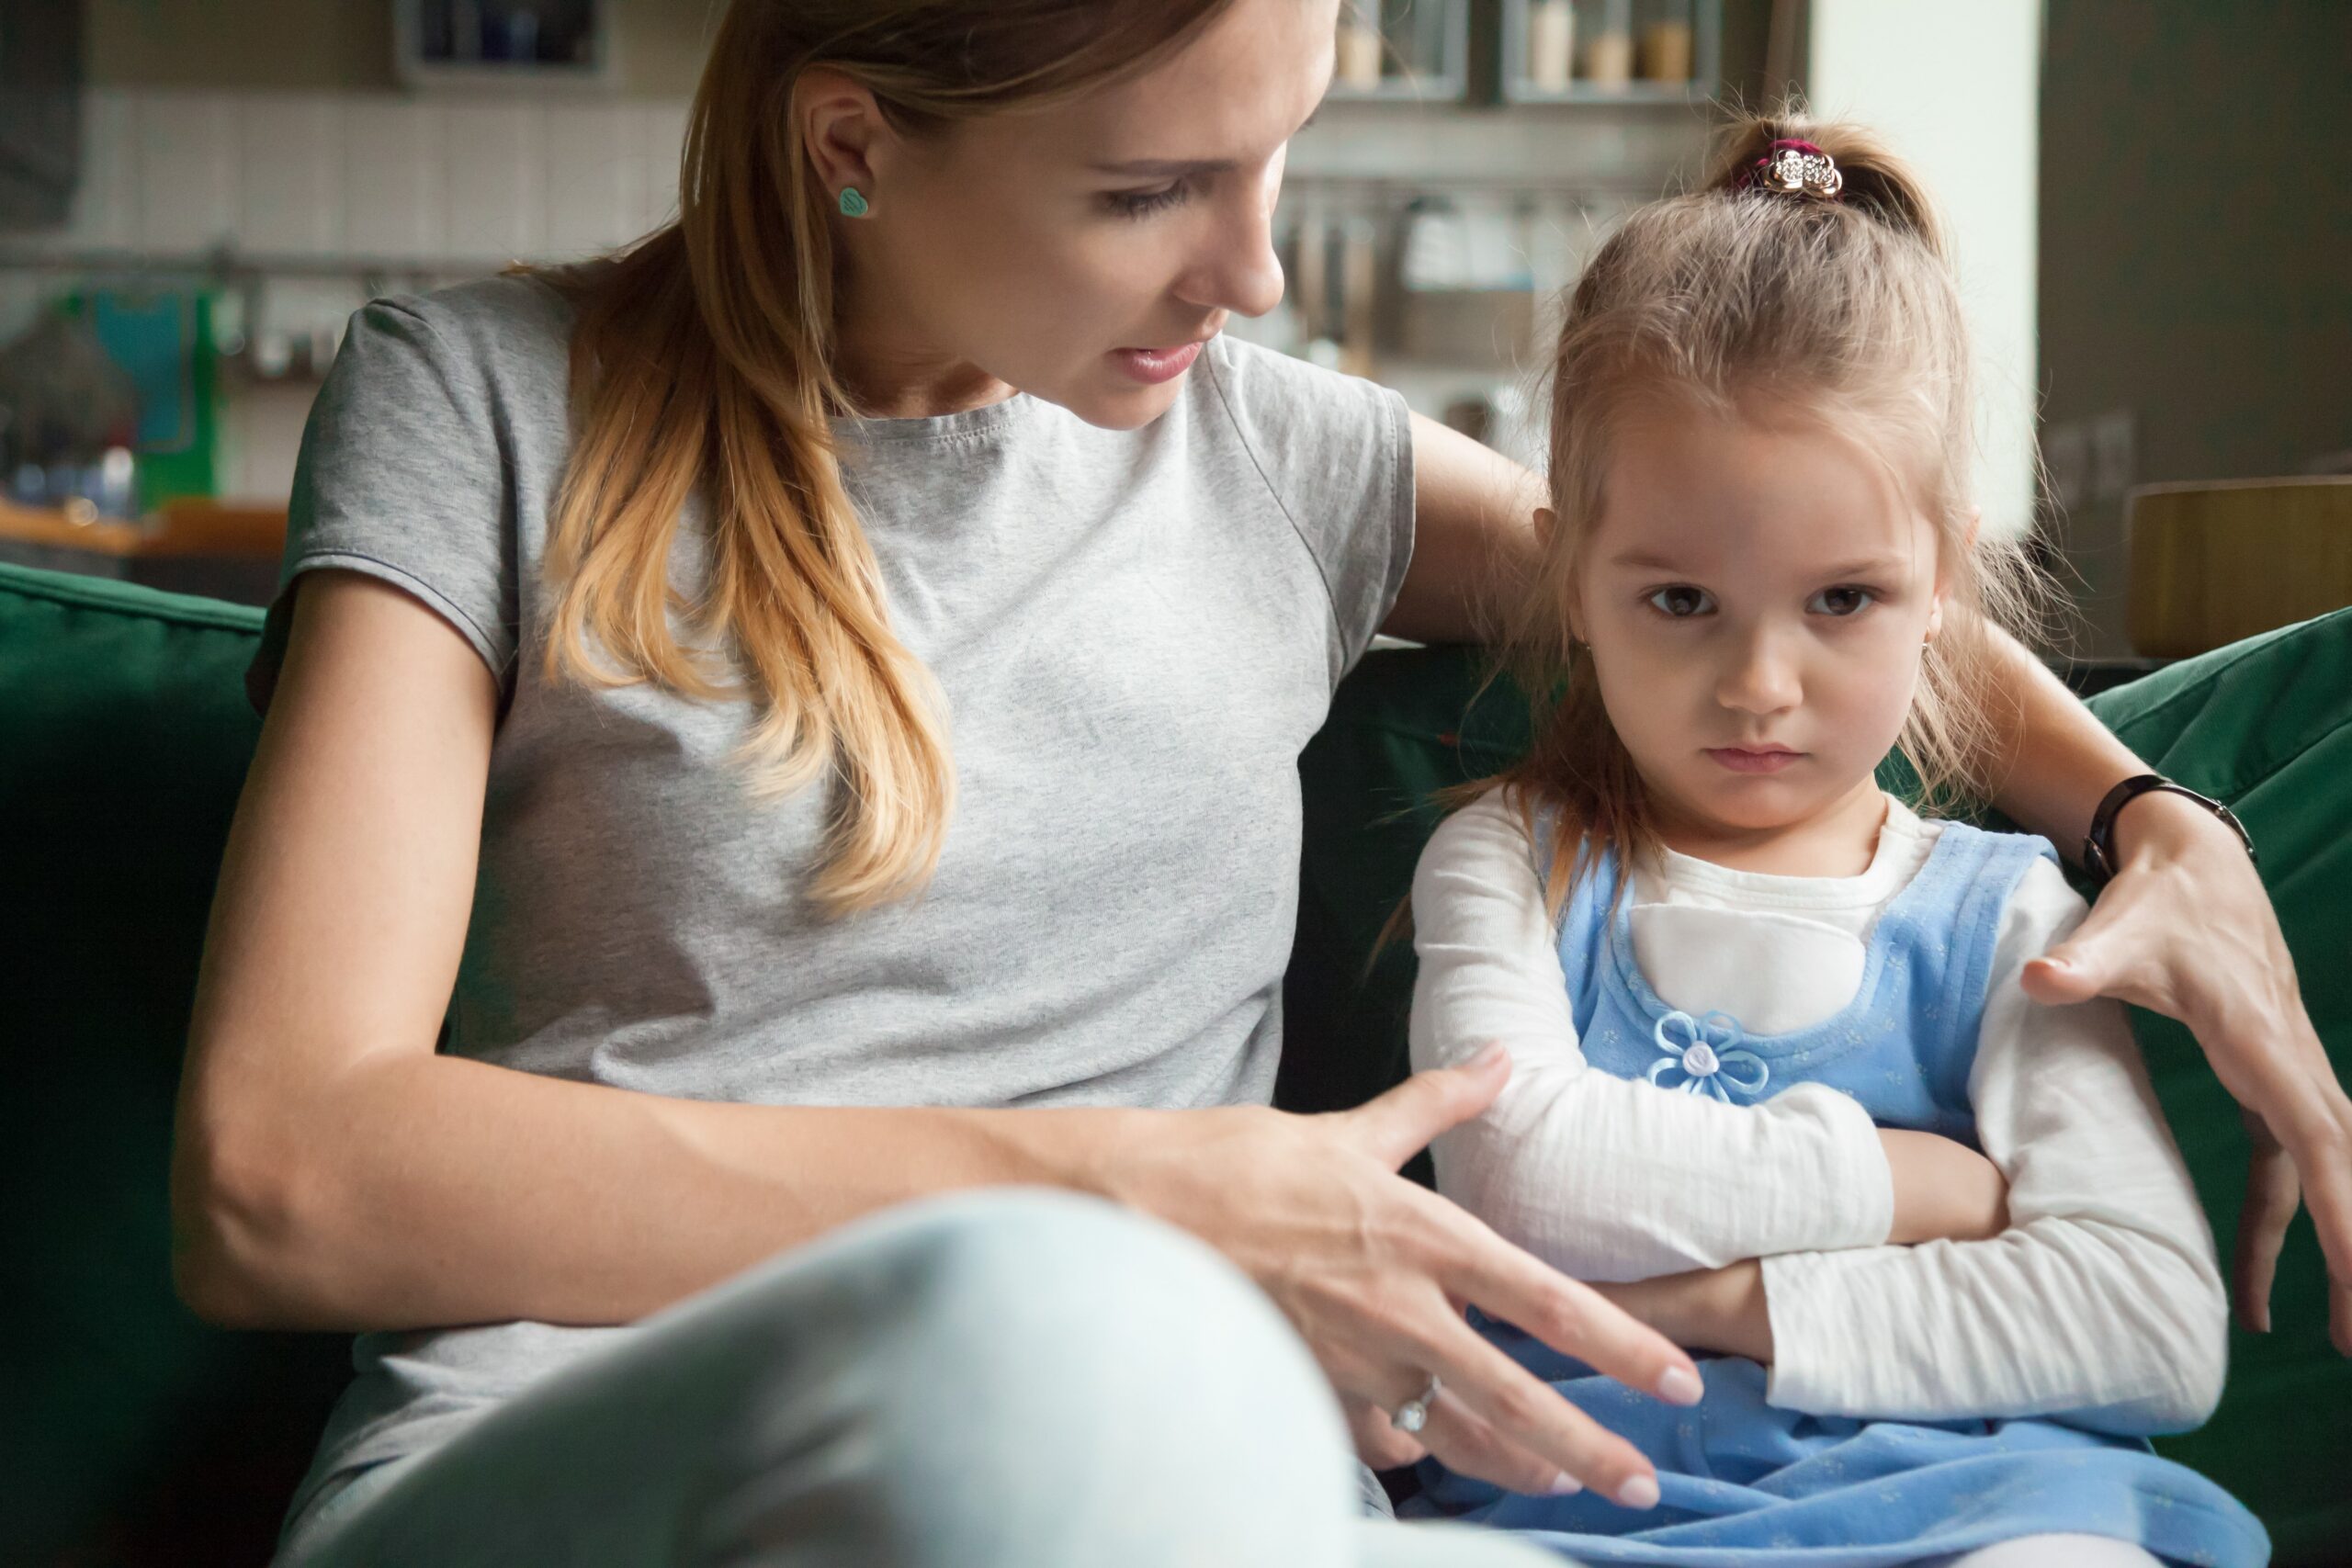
(2186, 930)
(1706, 1309)
(1373, 1271)
(1943, 1191)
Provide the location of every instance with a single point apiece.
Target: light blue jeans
(1011, 1378)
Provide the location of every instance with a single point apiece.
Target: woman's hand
(1373, 1271)
(2186, 930)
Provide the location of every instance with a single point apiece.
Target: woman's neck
(892, 374)
(1840, 839)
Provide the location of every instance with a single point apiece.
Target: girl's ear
(1943, 573)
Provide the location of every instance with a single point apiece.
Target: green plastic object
(854, 205)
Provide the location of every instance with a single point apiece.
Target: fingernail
(1681, 1385)
(1487, 1055)
(1641, 1492)
(1563, 1486)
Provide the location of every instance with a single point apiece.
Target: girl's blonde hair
(703, 361)
(1840, 311)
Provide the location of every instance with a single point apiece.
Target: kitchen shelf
(1625, 20)
(1404, 79)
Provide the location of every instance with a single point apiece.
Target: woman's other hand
(1374, 1271)
(2186, 930)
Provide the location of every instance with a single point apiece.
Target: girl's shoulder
(1506, 839)
(1490, 830)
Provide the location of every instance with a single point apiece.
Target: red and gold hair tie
(1796, 168)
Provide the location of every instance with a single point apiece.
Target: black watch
(2098, 846)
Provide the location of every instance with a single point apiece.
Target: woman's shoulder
(1254, 385)
(502, 328)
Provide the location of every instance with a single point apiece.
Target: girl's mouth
(1755, 759)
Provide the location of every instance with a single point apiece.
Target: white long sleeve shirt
(2101, 1304)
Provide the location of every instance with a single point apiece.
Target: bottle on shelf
(1551, 43)
(1359, 45)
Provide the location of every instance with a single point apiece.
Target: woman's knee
(1052, 1378)
(1027, 1289)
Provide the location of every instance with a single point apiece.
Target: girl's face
(1041, 248)
(1757, 597)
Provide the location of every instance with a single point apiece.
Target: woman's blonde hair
(1840, 312)
(702, 360)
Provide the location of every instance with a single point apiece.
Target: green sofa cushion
(2265, 725)
(135, 1434)
(139, 1436)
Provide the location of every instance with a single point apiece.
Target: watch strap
(2098, 846)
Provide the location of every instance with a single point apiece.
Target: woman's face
(1082, 253)
(1756, 597)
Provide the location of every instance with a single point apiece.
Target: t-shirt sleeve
(1337, 453)
(402, 477)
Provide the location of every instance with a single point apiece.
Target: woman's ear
(842, 130)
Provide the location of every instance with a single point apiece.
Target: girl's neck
(1840, 839)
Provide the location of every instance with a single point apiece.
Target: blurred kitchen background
(2153, 197)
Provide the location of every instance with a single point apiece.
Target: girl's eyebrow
(1867, 566)
(1864, 565)
(1646, 560)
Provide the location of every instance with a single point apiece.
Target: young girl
(1763, 1016)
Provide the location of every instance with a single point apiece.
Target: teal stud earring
(853, 204)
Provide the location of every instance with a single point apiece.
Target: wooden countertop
(179, 528)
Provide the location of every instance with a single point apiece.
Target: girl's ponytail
(1873, 180)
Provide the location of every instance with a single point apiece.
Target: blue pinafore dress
(1747, 1484)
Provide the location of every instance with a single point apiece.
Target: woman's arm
(2101, 1304)
(331, 1170)
(1605, 1178)
(1473, 537)
(2226, 973)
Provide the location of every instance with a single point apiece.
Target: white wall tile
(376, 176)
(665, 138)
(187, 150)
(395, 177)
(595, 178)
(494, 155)
(105, 214)
(292, 175)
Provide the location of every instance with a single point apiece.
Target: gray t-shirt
(1136, 632)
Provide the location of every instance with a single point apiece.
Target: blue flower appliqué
(1704, 1052)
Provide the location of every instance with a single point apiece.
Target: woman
(837, 670)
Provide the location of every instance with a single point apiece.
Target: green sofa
(135, 1435)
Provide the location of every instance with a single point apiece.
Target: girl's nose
(1761, 676)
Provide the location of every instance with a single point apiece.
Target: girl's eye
(1840, 602)
(1682, 601)
(1144, 203)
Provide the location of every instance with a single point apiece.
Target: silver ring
(1414, 1414)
